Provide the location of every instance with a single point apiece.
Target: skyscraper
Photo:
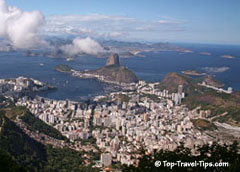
(106, 159)
(180, 89)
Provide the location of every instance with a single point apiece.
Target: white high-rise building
(106, 159)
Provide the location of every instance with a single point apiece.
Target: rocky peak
(113, 59)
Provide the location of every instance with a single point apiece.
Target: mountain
(113, 60)
(172, 80)
(113, 71)
(118, 74)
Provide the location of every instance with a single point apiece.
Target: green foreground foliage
(212, 154)
(20, 153)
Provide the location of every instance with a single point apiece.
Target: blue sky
(203, 21)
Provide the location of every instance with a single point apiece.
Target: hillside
(119, 74)
(33, 122)
(8, 164)
(207, 98)
(27, 152)
(172, 80)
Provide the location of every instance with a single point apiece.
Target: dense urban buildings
(119, 122)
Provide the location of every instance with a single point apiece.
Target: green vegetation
(153, 97)
(40, 126)
(2, 98)
(116, 73)
(225, 153)
(203, 124)
(218, 103)
(22, 113)
(123, 98)
(34, 156)
(63, 68)
(7, 164)
(91, 141)
(24, 150)
(13, 112)
(105, 99)
(64, 160)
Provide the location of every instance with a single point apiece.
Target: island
(63, 68)
(205, 53)
(193, 73)
(228, 56)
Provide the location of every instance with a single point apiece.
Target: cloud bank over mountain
(30, 29)
(82, 46)
(21, 29)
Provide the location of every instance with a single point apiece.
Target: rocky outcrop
(209, 80)
(113, 71)
(113, 60)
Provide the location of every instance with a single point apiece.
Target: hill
(32, 121)
(23, 151)
(119, 74)
(113, 60)
(113, 71)
(208, 99)
(172, 80)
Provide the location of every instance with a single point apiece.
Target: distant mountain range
(124, 49)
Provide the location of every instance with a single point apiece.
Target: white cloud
(94, 25)
(68, 30)
(110, 26)
(170, 20)
(116, 34)
(88, 18)
(20, 27)
(80, 46)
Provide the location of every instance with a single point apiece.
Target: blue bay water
(151, 68)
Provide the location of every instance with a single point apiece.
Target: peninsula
(113, 72)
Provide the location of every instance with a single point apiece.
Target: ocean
(152, 68)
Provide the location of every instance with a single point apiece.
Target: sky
(199, 21)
